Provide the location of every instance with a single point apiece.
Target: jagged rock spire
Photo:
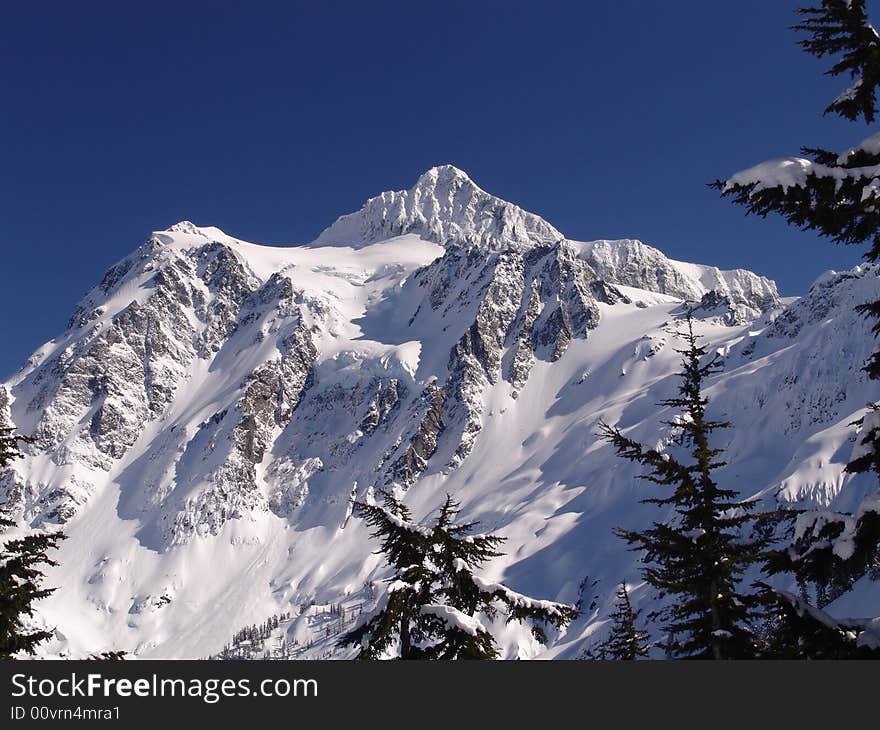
(444, 206)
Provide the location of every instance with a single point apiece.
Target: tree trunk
(405, 647)
(716, 622)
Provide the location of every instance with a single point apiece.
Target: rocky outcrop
(633, 263)
(533, 304)
(96, 396)
(407, 468)
(230, 284)
(125, 362)
(270, 395)
(523, 349)
(381, 405)
(5, 421)
(821, 380)
(444, 206)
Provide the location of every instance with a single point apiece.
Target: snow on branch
(794, 172)
(851, 626)
(454, 619)
(553, 610)
(369, 505)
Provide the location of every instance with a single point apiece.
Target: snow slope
(214, 407)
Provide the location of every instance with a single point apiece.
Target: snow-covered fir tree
(435, 607)
(836, 194)
(830, 551)
(21, 563)
(698, 560)
(627, 642)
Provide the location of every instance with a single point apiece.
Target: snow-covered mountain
(213, 409)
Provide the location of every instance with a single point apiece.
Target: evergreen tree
(837, 196)
(830, 551)
(434, 605)
(697, 561)
(21, 560)
(626, 642)
(798, 630)
(110, 656)
(828, 192)
(831, 193)
(9, 450)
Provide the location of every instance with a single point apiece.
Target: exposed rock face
(229, 283)
(523, 349)
(271, 393)
(817, 383)
(95, 397)
(382, 404)
(444, 206)
(720, 307)
(633, 263)
(10, 483)
(4, 407)
(532, 303)
(134, 342)
(274, 389)
(421, 447)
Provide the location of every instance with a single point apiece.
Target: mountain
(214, 408)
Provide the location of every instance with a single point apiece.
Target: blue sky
(269, 120)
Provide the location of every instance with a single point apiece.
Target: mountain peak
(184, 227)
(443, 175)
(444, 206)
(188, 228)
(634, 263)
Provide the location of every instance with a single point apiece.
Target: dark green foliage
(21, 563)
(829, 552)
(833, 200)
(841, 28)
(627, 642)
(108, 656)
(9, 441)
(251, 639)
(837, 197)
(869, 437)
(697, 561)
(829, 204)
(434, 602)
(813, 557)
(796, 630)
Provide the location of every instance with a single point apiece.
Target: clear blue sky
(269, 120)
